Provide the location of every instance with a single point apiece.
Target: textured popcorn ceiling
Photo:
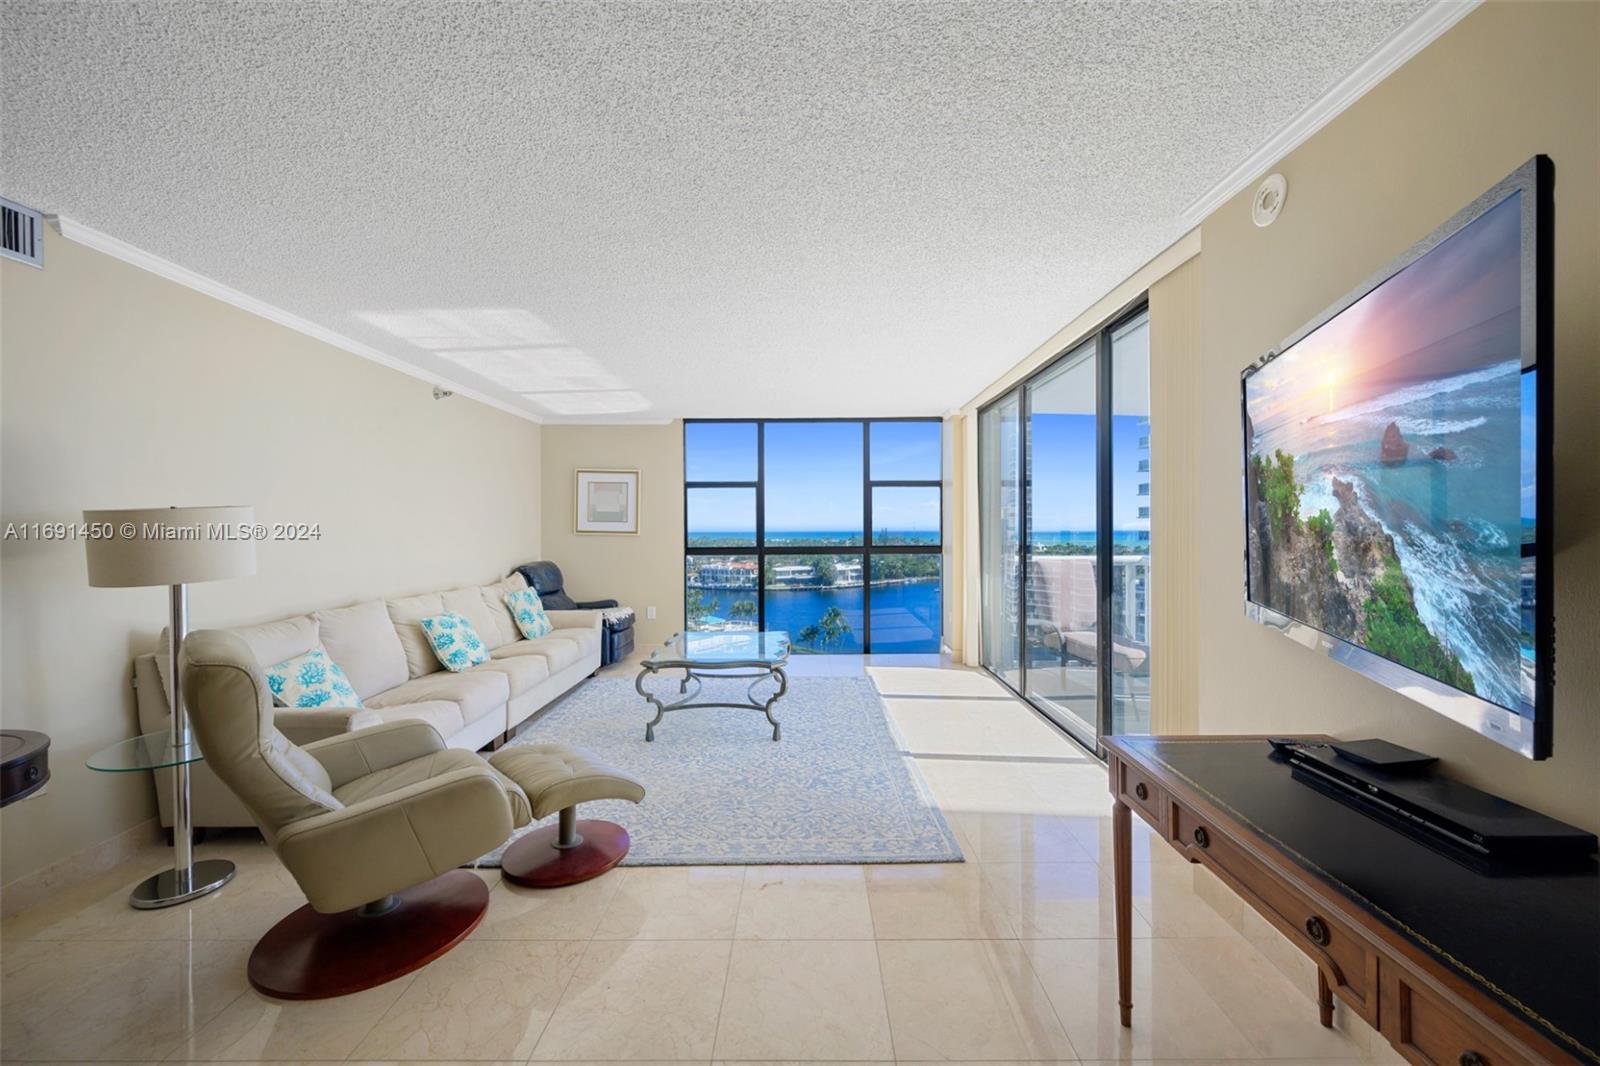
(640, 211)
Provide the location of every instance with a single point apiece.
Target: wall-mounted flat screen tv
(1397, 472)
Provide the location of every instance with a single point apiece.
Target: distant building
(793, 574)
(727, 575)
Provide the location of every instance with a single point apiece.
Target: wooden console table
(1455, 967)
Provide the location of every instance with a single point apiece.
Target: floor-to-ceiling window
(1061, 619)
(1000, 536)
(828, 529)
(1064, 527)
(1129, 662)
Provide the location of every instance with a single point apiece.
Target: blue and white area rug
(719, 790)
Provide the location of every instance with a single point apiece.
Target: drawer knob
(1317, 930)
(1201, 837)
(1472, 1058)
(1141, 791)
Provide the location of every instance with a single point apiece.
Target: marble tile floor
(1005, 958)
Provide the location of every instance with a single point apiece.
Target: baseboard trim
(30, 890)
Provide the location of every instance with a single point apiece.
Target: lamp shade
(169, 545)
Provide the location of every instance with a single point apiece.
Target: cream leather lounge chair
(374, 824)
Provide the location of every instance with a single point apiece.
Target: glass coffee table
(759, 657)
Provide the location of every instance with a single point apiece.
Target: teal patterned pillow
(310, 680)
(454, 641)
(529, 613)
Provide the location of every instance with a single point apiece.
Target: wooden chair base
(535, 862)
(310, 955)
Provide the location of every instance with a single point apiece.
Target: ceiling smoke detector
(1268, 200)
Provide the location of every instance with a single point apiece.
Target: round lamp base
(163, 890)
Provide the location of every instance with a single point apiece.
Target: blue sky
(814, 474)
(1064, 472)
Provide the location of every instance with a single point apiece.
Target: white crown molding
(128, 253)
(1412, 38)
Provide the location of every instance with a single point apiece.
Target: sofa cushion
(361, 639)
(586, 639)
(441, 714)
(468, 603)
(476, 693)
(494, 598)
(522, 671)
(309, 681)
(558, 652)
(406, 613)
(454, 641)
(269, 642)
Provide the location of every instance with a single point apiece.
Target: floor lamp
(176, 547)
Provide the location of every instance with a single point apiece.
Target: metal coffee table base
(758, 671)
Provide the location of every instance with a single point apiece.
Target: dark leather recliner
(545, 579)
(617, 633)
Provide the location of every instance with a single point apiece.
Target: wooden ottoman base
(311, 955)
(534, 861)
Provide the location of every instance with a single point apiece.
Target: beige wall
(954, 557)
(124, 389)
(1174, 565)
(641, 571)
(1509, 81)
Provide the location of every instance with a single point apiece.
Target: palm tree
(742, 609)
(829, 630)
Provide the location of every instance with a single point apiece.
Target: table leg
(1122, 862)
(783, 686)
(661, 709)
(1324, 1000)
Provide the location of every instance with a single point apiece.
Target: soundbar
(1464, 821)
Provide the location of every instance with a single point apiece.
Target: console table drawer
(1347, 960)
(1426, 1031)
(1140, 792)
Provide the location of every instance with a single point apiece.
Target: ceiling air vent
(21, 233)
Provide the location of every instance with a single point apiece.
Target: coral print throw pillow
(529, 613)
(310, 680)
(454, 641)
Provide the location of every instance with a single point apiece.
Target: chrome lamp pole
(173, 547)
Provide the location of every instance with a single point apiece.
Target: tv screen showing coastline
(1389, 479)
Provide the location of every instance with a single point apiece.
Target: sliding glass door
(1000, 536)
(1064, 527)
(1060, 590)
(1129, 698)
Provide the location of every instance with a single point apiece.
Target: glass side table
(187, 879)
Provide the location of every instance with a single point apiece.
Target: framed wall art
(607, 501)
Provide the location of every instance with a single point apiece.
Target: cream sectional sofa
(381, 647)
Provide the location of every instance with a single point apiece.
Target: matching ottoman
(557, 778)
